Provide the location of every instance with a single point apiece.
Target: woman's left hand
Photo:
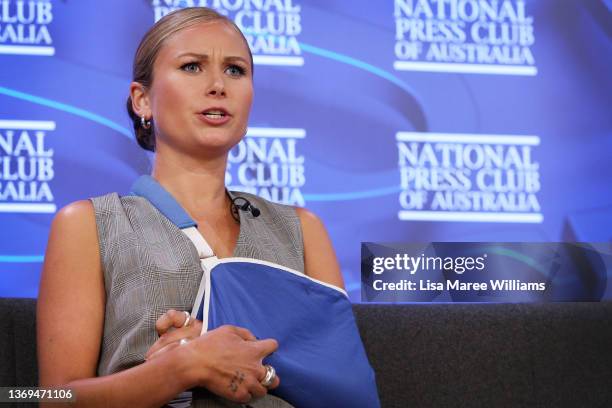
(171, 329)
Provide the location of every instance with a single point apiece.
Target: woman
(102, 292)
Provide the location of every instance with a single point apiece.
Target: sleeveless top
(150, 266)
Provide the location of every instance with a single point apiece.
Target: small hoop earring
(146, 124)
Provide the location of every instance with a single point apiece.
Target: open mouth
(215, 114)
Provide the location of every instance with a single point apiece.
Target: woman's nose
(216, 87)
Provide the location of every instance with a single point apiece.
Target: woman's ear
(140, 100)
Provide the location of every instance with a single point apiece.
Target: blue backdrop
(394, 121)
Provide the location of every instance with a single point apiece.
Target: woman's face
(202, 90)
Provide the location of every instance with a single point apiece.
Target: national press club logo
(469, 177)
(268, 163)
(26, 167)
(271, 27)
(464, 36)
(24, 27)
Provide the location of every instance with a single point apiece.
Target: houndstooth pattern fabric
(274, 236)
(150, 266)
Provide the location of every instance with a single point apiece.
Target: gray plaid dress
(150, 266)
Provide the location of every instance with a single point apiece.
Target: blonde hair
(149, 47)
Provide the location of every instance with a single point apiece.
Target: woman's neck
(199, 186)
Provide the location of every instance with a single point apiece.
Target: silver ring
(187, 318)
(183, 341)
(269, 377)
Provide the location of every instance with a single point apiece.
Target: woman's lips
(214, 117)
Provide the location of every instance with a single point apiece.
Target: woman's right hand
(227, 360)
(232, 358)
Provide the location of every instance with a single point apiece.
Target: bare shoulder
(73, 241)
(309, 218)
(76, 212)
(320, 260)
(73, 232)
(313, 228)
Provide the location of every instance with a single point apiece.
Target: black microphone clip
(244, 206)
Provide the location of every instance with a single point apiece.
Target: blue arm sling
(320, 360)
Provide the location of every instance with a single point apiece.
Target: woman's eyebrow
(205, 57)
(193, 54)
(236, 58)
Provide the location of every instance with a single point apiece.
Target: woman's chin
(203, 143)
(218, 137)
(212, 147)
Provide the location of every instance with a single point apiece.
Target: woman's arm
(70, 319)
(319, 257)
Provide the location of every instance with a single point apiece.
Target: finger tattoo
(237, 379)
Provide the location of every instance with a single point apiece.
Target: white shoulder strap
(204, 250)
(207, 261)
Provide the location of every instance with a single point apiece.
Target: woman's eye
(191, 67)
(235, 70)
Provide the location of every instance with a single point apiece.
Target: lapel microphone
(242, 204)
